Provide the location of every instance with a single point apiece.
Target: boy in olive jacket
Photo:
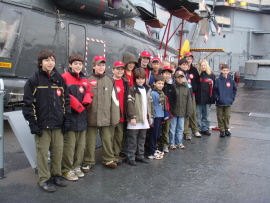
(102, 114)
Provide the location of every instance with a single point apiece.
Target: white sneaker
(79, 173)
(197, 134)
(165, 149)
(152, 156)
(70, 175)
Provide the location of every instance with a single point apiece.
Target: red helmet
(188, 54)
(146, 54)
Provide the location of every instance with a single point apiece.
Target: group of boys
(121, 108)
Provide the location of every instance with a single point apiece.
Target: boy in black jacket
(47, 110)
(169, 91)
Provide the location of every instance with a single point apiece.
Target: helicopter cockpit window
(76, 39)
(114, 4)
(10, 22)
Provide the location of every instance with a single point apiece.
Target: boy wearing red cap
(144, 63)
(122, 87)
(102, 114)
(169, 91)
(80, 98)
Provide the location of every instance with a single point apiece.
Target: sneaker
(79, 173)
(143, 160)
(227, 133)
(159, 156)
(185, 136)
(86, 168)
(152, 156)
(47, 186)
(132, 163)
(165, 149)
(70, 175)
(206, 132)
(59, 181)
(110, 164)
(172, 147)
(197, 134)
(188, 137)
(181, 146)
(157, 152)
(222, 134)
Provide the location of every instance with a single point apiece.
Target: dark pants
(154, 135)
(135, 143)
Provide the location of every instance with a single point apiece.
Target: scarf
(162, 97)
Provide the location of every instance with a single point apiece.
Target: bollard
(1, 134)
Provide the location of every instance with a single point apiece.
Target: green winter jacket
(104, 109)
(183, 105)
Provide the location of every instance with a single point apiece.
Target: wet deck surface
(209, 169)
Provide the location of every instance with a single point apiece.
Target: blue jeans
(176, 130)
(203, 121)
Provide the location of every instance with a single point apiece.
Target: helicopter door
(10, 27)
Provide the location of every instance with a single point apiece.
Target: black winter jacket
(80, 97)
(204, 94)
(169, 91)
(194, 77)
(46, 100)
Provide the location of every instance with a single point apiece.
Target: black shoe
(122, 156)
(132, 163)
(47, 186)
(59, 181)
(222, 134)
(206, 132)
(227, 133)
(143, 160)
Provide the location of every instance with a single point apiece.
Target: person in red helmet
(143, 62)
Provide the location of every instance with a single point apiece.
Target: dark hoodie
(128, 58)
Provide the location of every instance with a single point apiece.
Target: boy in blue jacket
(224, 93)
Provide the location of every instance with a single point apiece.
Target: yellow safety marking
(5, 65)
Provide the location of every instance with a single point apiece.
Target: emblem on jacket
(58, 92)
(93, 83)
(191, 76)
(228, 84)
(189, 81)
(81, 89)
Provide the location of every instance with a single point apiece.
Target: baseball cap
(118, 64)
(179, 74)
(146, 54)
(98, 59)
(188, 54)
(167, 68)
(155, 60)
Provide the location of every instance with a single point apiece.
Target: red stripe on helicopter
(101, 7)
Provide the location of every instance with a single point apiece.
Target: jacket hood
(128, 57)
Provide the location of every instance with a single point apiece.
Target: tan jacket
(134, 105)
(104, 109)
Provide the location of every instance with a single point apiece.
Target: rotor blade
(207, 32)
(216, 25)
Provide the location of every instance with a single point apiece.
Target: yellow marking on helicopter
(5, 65)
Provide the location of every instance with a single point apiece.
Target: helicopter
(89, 28)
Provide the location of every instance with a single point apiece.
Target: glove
(35, 130)
(66, 124)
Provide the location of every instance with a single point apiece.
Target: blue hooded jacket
(224, 91)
